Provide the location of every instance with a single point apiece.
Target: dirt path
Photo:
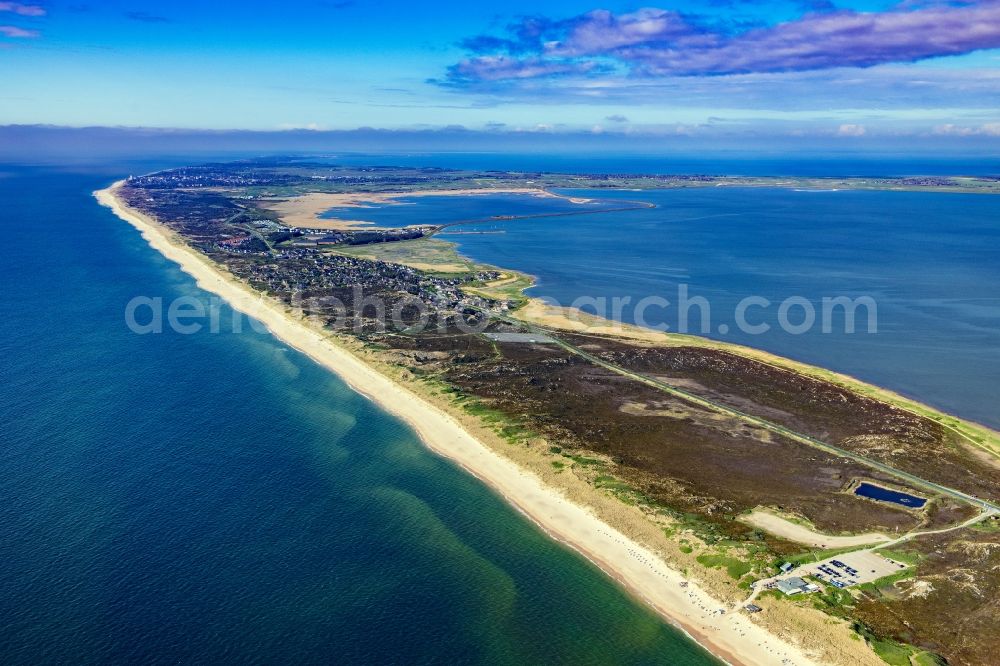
(801, 534)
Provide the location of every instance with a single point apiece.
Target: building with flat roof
(793, 585)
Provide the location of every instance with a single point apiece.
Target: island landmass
(775, 511)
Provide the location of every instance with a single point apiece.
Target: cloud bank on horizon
(845, 72)
(651, 43)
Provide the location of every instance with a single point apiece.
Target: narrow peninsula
(775, 511)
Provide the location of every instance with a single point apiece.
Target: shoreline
(732, 636)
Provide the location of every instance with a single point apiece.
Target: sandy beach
(304, 211)
(725, 631)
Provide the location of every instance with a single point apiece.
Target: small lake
(881, 494)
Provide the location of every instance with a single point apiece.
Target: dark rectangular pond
(885, 495)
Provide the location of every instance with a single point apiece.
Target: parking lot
(851, 569)
(843, 571)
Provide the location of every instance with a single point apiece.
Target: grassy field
(440, 257)
(736, 568)
(426, 254)
(510, 288)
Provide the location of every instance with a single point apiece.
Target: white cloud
(851, 130)
(315, 127)
(949, 129)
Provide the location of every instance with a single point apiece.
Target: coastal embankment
(728, 633)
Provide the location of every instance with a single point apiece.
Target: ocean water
(930, 263)
(218, 498)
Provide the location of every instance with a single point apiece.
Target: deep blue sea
(218, 498)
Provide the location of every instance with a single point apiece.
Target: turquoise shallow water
(218, 498)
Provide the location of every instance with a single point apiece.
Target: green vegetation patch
(897, 653)
(427, 254)
(875, 587)
(736, 568)
(584, 461)
(992, 525)
(505, 289)
(892, 652)
(928, 659)
(834, 601)
(611, 482)
(905, 556)
(811, 556)
(511, 430)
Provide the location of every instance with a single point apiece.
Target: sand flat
(304, 210)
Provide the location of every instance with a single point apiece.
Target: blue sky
(849, 71)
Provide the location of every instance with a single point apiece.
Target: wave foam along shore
(731, 636)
